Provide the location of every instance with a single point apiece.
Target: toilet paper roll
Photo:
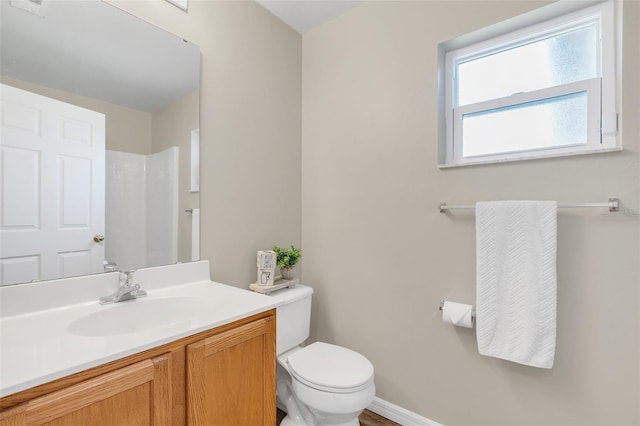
(457, 314)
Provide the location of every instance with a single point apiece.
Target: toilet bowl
(320, 384)
(332, 384)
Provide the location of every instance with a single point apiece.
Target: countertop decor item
(279, 284)
(287, 258)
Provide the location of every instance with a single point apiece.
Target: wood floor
(367, 418)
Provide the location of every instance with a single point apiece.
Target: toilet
(319, 384)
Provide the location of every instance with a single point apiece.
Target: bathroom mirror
(132, 204)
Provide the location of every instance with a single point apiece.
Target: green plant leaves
(287, 257)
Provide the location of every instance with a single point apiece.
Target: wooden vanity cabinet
(224, 376)
(138, 394)
(230, 379)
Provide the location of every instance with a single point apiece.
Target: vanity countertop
(40, 346)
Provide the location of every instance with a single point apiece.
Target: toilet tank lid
(291, 294)
(330, 367)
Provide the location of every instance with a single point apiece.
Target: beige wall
(172, 126)
(249, 128)
(380, 256)
(127, 129)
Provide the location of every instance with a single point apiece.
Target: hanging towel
(195, 235)
(516, 281)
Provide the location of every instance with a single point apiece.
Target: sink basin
(138, 315)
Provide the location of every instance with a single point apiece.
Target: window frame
(602, 118)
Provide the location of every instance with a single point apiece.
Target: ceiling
(304, 15)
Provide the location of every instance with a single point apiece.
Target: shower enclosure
(142, 208)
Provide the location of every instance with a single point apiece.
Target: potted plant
(287, 259)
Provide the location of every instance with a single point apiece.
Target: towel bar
(613, 204)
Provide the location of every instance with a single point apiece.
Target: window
(544, 90)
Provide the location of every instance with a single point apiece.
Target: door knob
(98, 238)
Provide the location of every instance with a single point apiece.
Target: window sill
(515, 157)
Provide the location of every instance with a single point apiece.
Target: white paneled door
(51, 188)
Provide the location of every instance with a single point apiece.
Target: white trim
(536, 32)
(603, 130)
(533, 17)
(609, 46)
(509, 160)
(398, 414)
(32, 7)
(182, 4)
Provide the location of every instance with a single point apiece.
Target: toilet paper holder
(473, 312)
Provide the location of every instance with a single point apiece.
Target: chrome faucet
(126, 291)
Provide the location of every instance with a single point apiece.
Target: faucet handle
(126, 277)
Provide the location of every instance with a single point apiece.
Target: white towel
(195, 235)
(516, 244)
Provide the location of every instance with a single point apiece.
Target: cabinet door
(231, 377)
(138, 394)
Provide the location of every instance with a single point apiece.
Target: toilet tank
(293, 316)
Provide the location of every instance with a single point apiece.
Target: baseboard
(398, 414)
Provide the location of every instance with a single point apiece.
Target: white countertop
(41, 346)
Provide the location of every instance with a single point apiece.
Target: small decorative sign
(266, 262)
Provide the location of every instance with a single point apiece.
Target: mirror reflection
(99, 143)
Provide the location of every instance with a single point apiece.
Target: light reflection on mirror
(144, 81)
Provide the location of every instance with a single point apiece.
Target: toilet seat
(331, 368)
